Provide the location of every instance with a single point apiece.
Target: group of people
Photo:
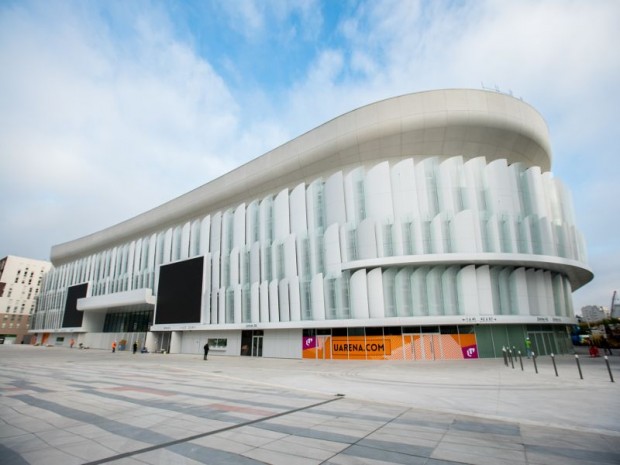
(134, 347)
(594, 352)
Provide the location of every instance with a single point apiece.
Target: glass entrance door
(257, 346)
(409, 344)
(164, 342)
(252, 343)
(430, 347)
(322, 345)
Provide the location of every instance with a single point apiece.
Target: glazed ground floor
(352, 343)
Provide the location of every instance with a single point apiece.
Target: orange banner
(405, 347)
(360, 347)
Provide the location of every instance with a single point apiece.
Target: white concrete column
(176, 340)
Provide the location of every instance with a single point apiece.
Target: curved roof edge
(578, 274)
(442, 123)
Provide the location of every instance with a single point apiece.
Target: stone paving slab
(63, 406)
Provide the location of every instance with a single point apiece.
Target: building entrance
(430, 347)
(543, 343)
(257, 346)
(252, 343)
(323, 344)
(422, 346)
(164, 342)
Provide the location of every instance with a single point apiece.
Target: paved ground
(61, 406)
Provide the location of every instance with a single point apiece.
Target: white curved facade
(430, 210)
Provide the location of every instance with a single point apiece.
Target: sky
(111, 108)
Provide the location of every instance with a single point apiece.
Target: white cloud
(255, 19)
(559, 56)
(109, 119)
(247, 17)
(123, 126)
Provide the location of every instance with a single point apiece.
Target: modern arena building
(426, 226)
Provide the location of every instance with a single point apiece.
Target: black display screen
(73, 317)
(179, 292)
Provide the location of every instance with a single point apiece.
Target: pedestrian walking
(605, 345)
(135, 347)
(206, 348)
(71, 343)
(528, 347)
(113, 346)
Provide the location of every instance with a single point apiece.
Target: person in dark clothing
(606, 347)
(206, 347)
(135, 347)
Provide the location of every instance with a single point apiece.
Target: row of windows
(30, 292)
(29, 277)
(445, 183)
(217, 343)
(26, 272)
(306, 256)
(387, 330)
(21, 308)
(397, 209)
(407, 292)
(16, 326)
(128, 322)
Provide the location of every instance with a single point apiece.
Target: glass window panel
(374, 331)
(466, 329)
(449, 330)
(393, 330)
(429, 329)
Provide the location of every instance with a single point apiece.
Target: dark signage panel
(73, 317)
(179, 292)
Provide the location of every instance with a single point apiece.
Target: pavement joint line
(487, 416)
(383, 425)
(253, 381)
(209, 433)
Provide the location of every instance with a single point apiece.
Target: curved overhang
(131, 301)
(441, 123)
(427, 320)
(578, 274)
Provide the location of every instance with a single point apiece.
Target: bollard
(578, 366)
(520, 360)
(511, 359)
(534, 359)
(554, 367)
(505, 357)
(609, 369)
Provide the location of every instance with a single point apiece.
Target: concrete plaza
(61, 406)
